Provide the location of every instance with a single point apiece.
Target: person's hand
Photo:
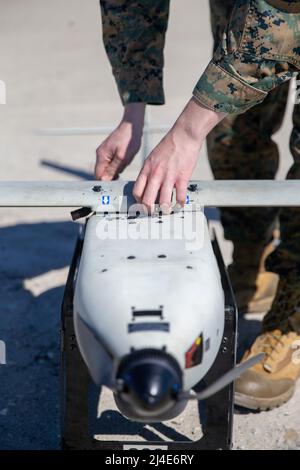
(172, 162)
(119, 148)
(169, 165)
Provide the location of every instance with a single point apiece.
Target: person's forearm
(196, 121)
(134, 113)
(134, 37)
(173, 160)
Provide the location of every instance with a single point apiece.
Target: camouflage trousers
(241, 147)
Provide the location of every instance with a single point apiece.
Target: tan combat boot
(253, 286)
(271, 382)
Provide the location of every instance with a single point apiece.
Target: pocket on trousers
(270, 33)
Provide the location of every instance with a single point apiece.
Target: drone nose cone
(150, 384)
(150, 381)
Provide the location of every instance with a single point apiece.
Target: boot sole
(262, 404)
(256, 306)
(260, 306)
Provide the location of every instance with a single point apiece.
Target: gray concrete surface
(57, 75)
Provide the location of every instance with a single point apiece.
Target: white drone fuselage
(148, 283)
(149, 304)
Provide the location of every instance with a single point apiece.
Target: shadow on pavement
(112, 422)
(68, 170)
(29, 382)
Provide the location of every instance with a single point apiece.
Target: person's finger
(102, 162)
(140, 184)
(151, 191)
(124, 164)
(165, 197)
(113, 168)
(100, 167)
(181, 192)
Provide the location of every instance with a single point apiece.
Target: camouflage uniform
(257, 48)
(241, 147)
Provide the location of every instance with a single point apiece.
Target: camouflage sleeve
(260, 49)
(134, 36)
